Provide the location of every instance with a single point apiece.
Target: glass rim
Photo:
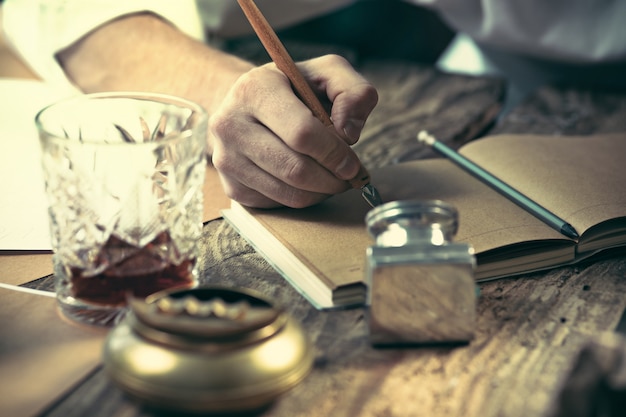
(141, 95)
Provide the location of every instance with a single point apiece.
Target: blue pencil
(503, 188)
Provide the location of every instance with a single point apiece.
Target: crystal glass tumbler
(123, 174)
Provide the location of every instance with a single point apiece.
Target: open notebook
(582, 179)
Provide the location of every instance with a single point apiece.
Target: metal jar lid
(208, 349)
(398, 223)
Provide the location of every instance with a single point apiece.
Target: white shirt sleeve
(39, 29)
(575, 31)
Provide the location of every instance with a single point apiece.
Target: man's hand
(266, 144)
(269, 148)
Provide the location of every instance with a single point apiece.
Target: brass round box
(209, 349)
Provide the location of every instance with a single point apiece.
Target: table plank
(455, 108)
(566, 110)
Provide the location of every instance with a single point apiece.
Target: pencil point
(569, 231)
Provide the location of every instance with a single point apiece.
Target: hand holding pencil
(290, 158)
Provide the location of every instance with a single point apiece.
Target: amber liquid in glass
(138, 275)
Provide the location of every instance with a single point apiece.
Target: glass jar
(421, 283)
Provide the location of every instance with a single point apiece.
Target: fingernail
(348, 168)
(353, 129)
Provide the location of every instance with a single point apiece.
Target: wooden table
(529, 330)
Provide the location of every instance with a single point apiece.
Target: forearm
(142, 52)
(266, 144)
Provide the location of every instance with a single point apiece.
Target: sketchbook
(321, 250)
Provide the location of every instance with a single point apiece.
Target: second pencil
(503, 188)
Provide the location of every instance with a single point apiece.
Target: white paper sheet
(23, 205)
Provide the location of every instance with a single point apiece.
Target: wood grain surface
(455, 108)
(529, 329)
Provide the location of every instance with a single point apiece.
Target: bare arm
(266, 144)
(143, 52)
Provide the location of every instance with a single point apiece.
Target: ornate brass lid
(207, 349)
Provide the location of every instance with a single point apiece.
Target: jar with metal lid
(421, 283)
(207, 349)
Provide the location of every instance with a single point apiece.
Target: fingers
(353, 97)
(275, 195)
(269, 148)
(292, 122)
(257, 166)
(263, 174)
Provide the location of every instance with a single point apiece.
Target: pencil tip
(569, 231)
